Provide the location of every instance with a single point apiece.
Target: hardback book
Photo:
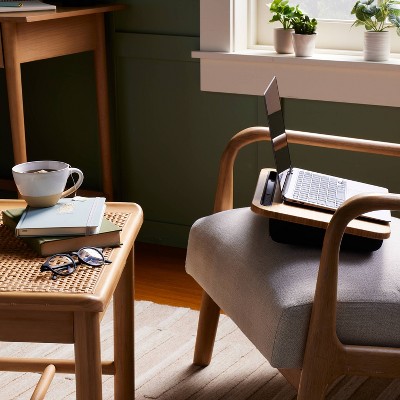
(25, 6)
(108, 236)
(70, 216)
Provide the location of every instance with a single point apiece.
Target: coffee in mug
(42, 183)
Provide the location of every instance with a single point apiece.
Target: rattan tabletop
(20, 265)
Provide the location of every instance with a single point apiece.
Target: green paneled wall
(60, 105)
(365, 122)
(171, 135)
(60, 115)
(168, 136)
(172, 17)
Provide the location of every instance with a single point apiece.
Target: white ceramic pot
(304, 45)
(283, 43)
(376, 46)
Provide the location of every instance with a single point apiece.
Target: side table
(37, 35)
(34, 308)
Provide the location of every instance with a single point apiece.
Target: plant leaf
(275, 18)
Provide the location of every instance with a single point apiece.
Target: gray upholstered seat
(267, 288)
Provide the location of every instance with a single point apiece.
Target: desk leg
(124, 383)
(103, 109)
(14, 89)
(87, 356)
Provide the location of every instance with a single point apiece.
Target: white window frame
(229, 65)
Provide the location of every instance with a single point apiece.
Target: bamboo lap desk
(310, 217)
(34, 308)
(37, 35)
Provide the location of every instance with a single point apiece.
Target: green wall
(168, 135)
(60, 115)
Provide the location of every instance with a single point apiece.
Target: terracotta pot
(283, 41)
(376, 46)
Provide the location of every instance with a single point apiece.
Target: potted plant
(284, 13)
(304, 35)
(377, 19)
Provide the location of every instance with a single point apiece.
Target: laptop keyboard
(319, 189)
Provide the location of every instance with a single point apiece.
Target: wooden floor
(160, 276)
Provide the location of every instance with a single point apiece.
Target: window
(334, 25)
(236, 56)
(324, 9)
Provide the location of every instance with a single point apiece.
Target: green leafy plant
(303, 25)
(284, 13)
(377, 17)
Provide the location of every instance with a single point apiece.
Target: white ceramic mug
(42, 183)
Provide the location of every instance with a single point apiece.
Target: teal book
(108, 236)
(71, 216)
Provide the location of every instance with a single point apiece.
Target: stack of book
(69, 225)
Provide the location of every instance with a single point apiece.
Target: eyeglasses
(65, 264)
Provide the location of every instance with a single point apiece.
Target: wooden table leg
(103, 109)
(87, 356)
(14, 89)
(124, 381)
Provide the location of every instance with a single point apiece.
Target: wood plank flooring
(160, 276)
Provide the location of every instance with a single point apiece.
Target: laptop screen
(277, 131)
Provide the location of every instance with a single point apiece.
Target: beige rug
(164, 348)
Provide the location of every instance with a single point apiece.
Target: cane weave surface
(20, 266)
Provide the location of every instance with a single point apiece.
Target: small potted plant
(304, 35)
(377, 19)
(284, 13)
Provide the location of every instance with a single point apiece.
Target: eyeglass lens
(61, 264)
(91, 256)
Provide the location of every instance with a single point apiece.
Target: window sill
(327, 76)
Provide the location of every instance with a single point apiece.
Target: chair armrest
(224, 193)
(322, 341)
(325, 299)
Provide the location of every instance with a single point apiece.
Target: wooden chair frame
(325, 357)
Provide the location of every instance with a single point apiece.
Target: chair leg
(206, 331)
(292, 375)
(315, 381)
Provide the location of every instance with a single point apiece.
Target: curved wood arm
(322, 339)
(224, 194)
(328, 269)
(344, 143)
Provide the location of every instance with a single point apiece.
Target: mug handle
(77, 184)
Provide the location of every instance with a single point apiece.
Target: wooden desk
(310, 217)
(34, 308)
(37, 35)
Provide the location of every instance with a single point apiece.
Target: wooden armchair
(274, 284)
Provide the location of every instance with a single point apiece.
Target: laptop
(304, 187)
